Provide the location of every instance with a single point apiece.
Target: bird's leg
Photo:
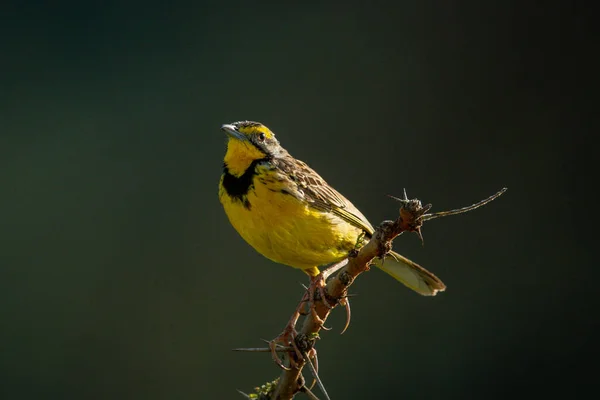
(317, 283)
(287, 337)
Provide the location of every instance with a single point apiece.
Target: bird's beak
(233, 133)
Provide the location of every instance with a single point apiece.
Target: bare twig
(431, 216)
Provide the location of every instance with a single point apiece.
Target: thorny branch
(412, 214)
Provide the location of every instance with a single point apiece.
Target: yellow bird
(290, 215)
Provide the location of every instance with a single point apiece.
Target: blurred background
(121, 278)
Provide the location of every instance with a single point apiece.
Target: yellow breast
(285, 229)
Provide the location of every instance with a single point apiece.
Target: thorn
(243, 394)
(316, 358)
(425, 209)
(405, 196)
(313, 354)
(398, 199)
(279, 346)
(420, 235)
(308, 393)
(346, 303)
(391, 254)
(263, 349)
(316, 375)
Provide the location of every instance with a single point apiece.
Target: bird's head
(248, 141)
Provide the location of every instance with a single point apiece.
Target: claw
(287, 338)
(275, 357)
(346, 303)
(318, 320)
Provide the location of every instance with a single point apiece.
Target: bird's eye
(261, 137)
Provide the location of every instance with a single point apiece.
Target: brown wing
(319, 194)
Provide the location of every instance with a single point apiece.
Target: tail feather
(411, 274)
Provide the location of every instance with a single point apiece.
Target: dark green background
(121, 278)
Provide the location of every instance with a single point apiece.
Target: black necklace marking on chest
(239, 186)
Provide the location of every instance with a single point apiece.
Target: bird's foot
(317, 284)
(287, 338)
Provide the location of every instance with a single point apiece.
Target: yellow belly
(288, 231)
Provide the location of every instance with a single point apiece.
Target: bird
(288, 213)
